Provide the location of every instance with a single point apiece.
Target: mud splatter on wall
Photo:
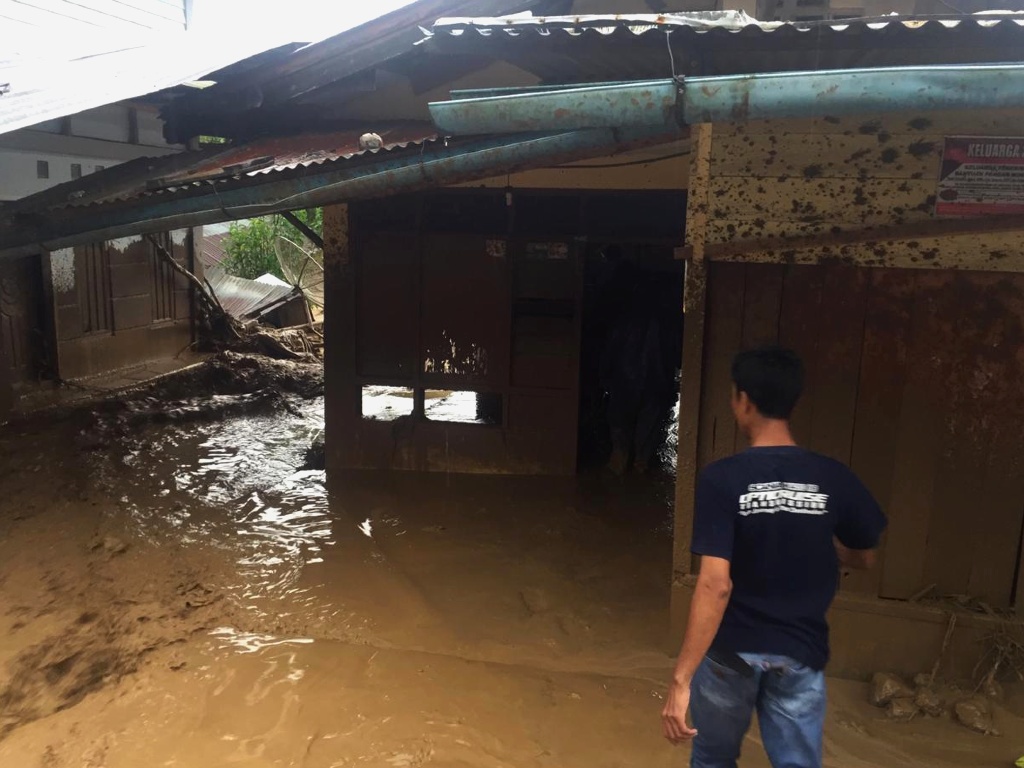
(62, 270)
(913, 374)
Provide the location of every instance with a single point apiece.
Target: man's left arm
(714, 586)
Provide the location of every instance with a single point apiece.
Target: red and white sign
(981, 175)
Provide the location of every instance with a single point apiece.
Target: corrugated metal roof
(308, 89)
(212, 250)
(707, 21)
(560, 49)
(227, 165)
(46, 86)
(245, 299)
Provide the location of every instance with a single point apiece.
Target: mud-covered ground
(174, 591)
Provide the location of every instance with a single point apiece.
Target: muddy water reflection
(439, 563)
(405, 620)
(233, 486)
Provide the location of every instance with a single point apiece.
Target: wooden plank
(734, 235)
(837, 363)
(343, 409)
(723, 337)
(990, 122)
(992, 252)
(695, 293)
(840, 201)
(903, 156)
(916, 449)
(998, 379)
(760, 241)
(883, 371)
(799, 328)
(690, 395)
(762, 301)
(955, 338)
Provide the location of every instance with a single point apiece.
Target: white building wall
(92, 140)
(128, 15)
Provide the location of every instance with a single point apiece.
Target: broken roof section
(250, 299)
(308, 90)
(218, 164)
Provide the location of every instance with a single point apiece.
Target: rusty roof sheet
(246, 299)
(224, 164)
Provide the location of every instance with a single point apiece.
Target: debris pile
(928, 697)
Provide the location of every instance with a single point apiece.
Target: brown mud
(175, 591)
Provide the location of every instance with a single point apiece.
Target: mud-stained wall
(116, 304)
(914, 380)
(821, 235)
(22, 340)
(807, 191)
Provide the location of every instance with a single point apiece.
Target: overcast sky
(289, 20)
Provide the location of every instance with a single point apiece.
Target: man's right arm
(860, 526)
(858, 559)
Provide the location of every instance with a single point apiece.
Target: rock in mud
(923, 680)
(536, 601)
(886, 687)
(109, 544)
(929, 702)
(316, 454)
(992, 689)
(976, 713)
(902, 709)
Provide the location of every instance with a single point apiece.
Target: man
(772, 526)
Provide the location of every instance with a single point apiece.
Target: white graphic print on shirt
(797, 498)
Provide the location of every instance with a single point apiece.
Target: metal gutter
(338, 183)
(842, 92)
(736, 98)
(641, 104)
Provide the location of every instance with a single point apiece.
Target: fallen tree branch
(211, 305)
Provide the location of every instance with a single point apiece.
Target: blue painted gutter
(644, 104)
(734, 98)
(852, 91)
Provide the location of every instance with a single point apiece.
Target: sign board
(981, 175)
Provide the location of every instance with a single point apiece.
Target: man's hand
(673, 716)
(858, 559)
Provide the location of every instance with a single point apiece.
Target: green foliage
(252, 247)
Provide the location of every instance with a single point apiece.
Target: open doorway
(631, 351)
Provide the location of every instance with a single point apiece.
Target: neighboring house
(54, 17)
(81, 86)
(36, 158)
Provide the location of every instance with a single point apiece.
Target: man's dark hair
(772, 377)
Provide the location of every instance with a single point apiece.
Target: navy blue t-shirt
(772, 512)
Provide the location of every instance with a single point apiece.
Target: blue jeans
(790, 702)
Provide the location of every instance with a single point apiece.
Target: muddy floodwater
(182, 594)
